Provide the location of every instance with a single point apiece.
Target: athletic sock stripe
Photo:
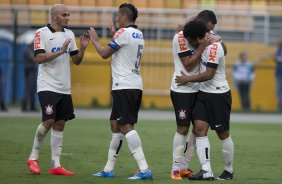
(186, 146)
(207, 155)
(119, 146)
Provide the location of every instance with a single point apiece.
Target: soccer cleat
(225, 176)
(60, 171)
(33, 166)
(147, 175)
(175, 175)
(104, 174)
(186, 172)
(202, 175)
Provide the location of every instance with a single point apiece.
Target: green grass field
(258, 151)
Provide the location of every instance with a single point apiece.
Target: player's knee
(222, 135)
(59, 125)
(48, 123)
(200, 131)
(183, 130)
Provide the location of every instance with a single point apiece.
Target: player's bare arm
(84, 41)
(104, 52)
(207, 75)
(217, 38)
(181, 25)
(224, 48)
(46, 57)
(190, 61)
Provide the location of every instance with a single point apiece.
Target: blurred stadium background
(245, 25)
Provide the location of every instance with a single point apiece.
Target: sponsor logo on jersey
(137, 35)
(182, 114)
(181, 42)
(49, 109)
(57, 49)
(37, 40)
(213, 51)
(118, 33)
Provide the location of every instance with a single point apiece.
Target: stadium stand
(251, 25)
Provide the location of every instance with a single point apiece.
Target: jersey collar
(53, 30)
(134, 26)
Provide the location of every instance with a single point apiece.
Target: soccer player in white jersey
(186, 58)
(126, 49)
(53, 47)
(213, 102)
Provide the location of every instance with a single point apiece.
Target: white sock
(188, 151)
(56, 147)
(134, 144)
(114, 149)
(228, 153)
(178, 148)
(203, 151)
(37, 142)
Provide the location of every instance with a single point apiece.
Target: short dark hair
(195, 29)
(129, 10)
(207, 16)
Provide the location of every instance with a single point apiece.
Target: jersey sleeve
(73, 47)
(182, 46)
(120, 39)
(214, 53)
(39, 42)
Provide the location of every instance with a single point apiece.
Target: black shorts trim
(183, 104)
(56, 106)
(214, 108)
(126, 105)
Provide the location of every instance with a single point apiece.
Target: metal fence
(247, 27)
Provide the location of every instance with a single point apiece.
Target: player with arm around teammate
(213, 103)
(126, 49)
(54, 44)
(186, 59)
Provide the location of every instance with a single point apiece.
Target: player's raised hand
(84, 40)
(205, 41)
(181, 80)
(214, 38)
(93, 35)
(112, 28)
(65, 45)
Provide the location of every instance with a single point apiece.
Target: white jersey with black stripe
(54, 75)
(182, 48)
(213, 57)
(129, 45)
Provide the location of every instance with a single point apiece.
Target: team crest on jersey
(49, 109)
(182, 114)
